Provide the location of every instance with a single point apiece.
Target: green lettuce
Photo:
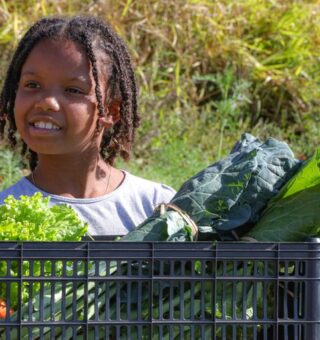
(294, 214)
(31, 218)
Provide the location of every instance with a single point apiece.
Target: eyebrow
(76, 78)
(28, 73)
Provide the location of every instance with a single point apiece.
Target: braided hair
(99, 41)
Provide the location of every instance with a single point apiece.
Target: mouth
(42, 125)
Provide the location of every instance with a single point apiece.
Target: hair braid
(123, 75)
(87, 44)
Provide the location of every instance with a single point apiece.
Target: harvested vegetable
(226, 198)
(294, 214)
(31, 218)
(3, 309)
(118, 290)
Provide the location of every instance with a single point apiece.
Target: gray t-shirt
(115, 213)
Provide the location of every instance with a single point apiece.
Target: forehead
(49, 54)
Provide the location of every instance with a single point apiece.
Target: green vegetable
(30, 218)
(109, 300)
(167, 225)
(294, 214)
(227, 196)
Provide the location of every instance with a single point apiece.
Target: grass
(207, 71)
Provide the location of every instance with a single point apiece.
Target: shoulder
(22, 187)
(155, 191)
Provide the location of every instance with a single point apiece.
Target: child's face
(56, 107)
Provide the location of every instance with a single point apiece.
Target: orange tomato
(3, 309)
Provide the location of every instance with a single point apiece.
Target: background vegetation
(207, 70)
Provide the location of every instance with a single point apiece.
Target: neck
(71, 176)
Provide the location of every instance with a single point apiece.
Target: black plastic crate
(145, 290)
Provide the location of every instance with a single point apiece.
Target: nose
(48, 102)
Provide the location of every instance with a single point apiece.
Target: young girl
(71, 95)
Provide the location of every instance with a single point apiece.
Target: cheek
(83, 116)
(21, 104)
(18, 111)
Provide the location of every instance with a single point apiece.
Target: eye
(32, 85)
(74, 90)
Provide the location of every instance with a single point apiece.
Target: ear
(112, 115)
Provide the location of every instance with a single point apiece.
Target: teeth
(46, 125)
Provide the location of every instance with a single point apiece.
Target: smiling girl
(71, 95)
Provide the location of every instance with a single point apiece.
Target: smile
(46, 126)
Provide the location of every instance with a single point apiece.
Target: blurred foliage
(11, 167)
(207, 70)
